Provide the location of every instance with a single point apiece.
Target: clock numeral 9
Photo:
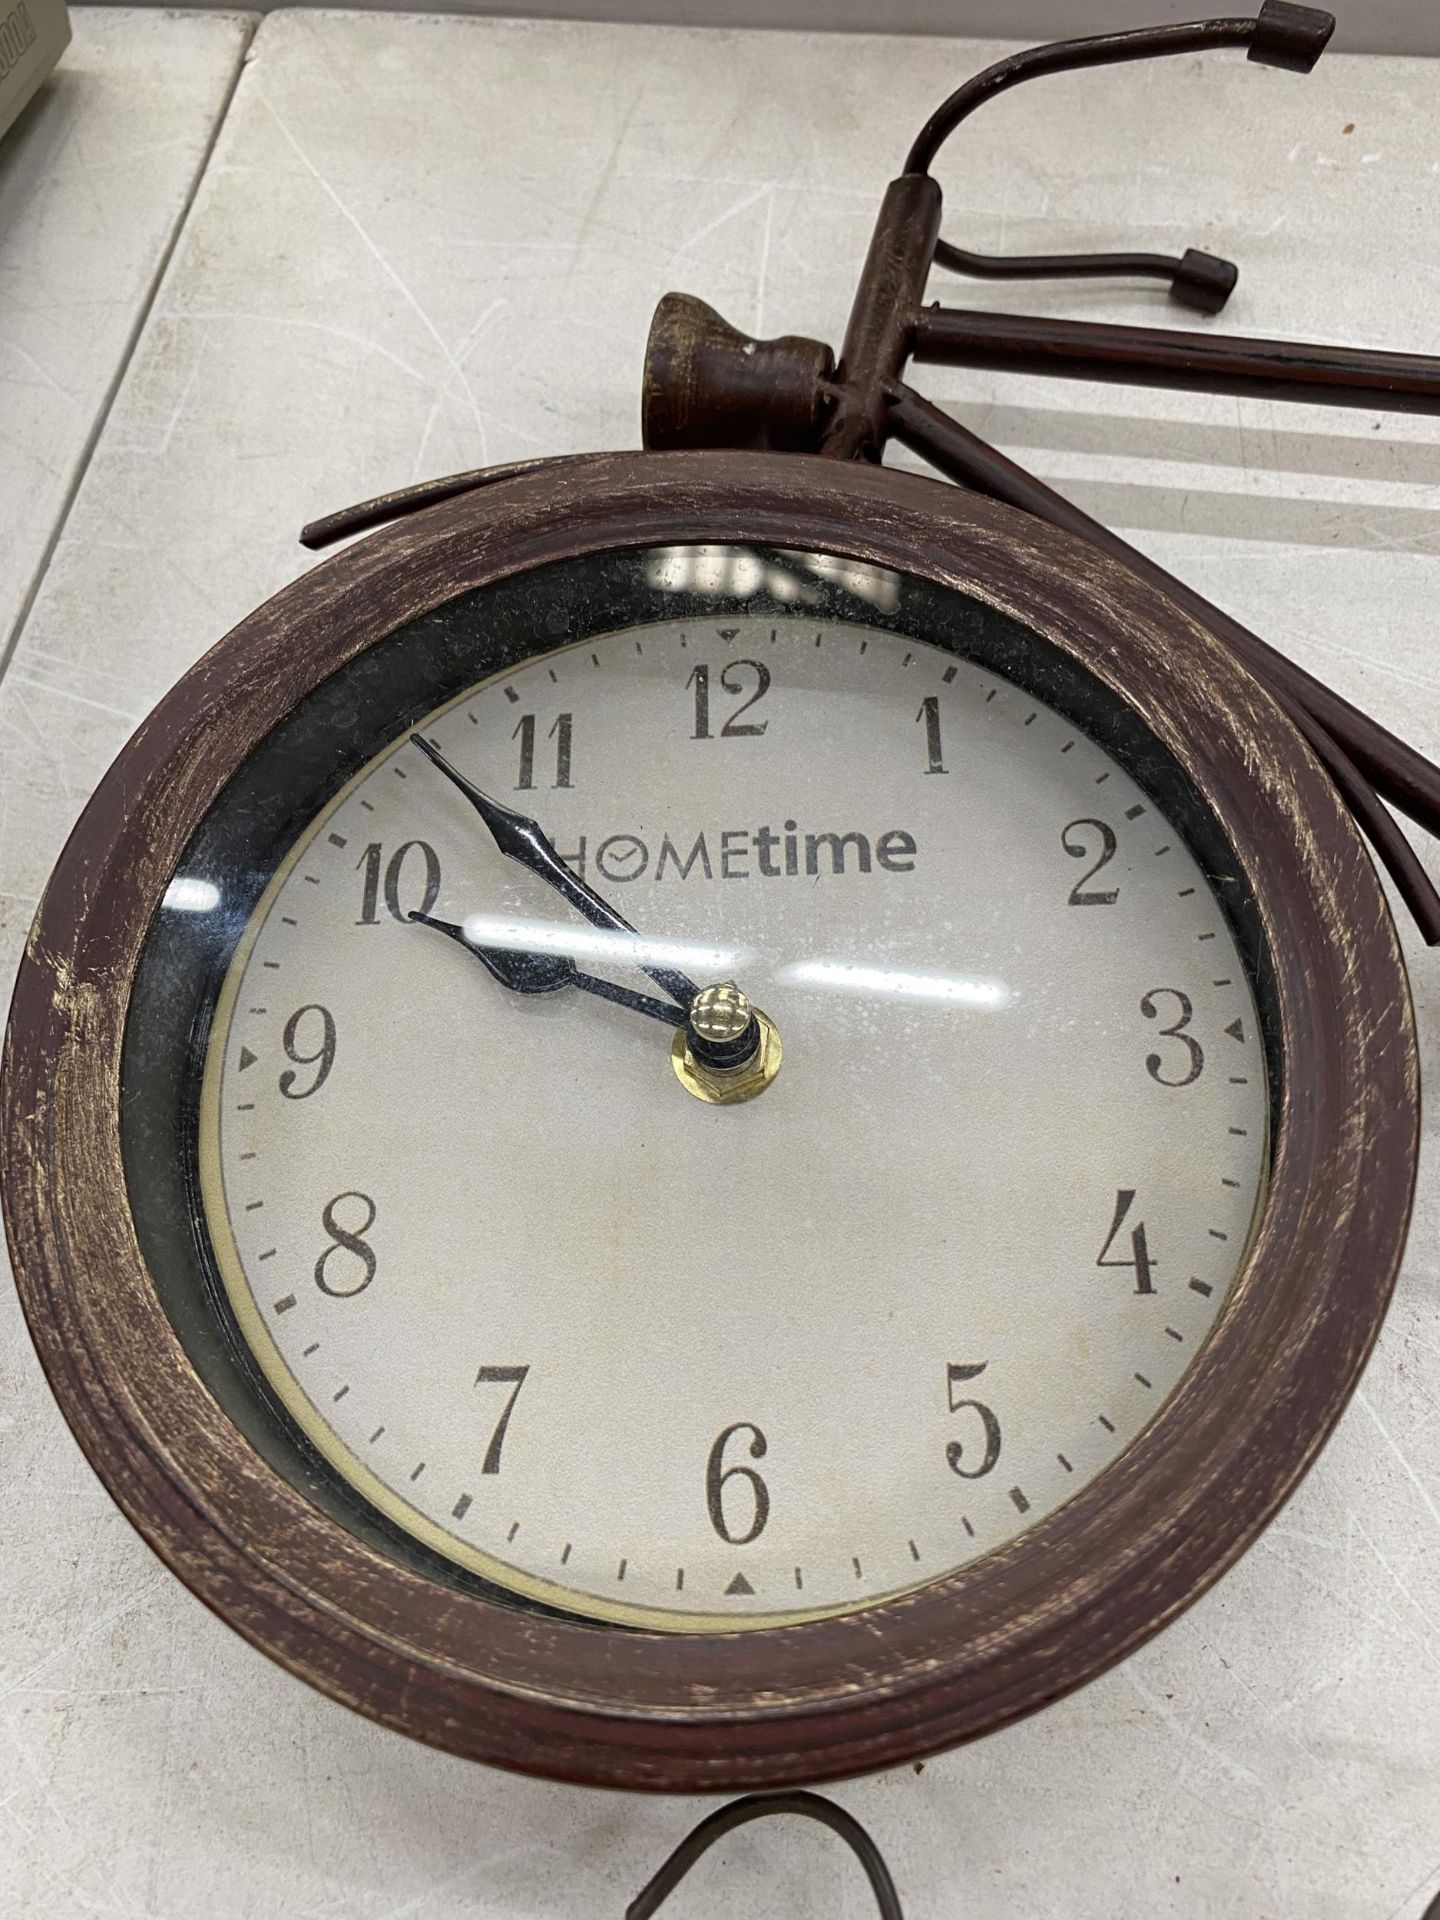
(560, 733)
(1195, 1053)
(1140, 1257)
(716, 1475)
(373, 863)
(347, 1240)
(1084, 849)
(514, 1378)
(955, 1454)
(733, 681)
(323, 1058)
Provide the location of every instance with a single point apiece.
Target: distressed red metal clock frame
(771, 1706)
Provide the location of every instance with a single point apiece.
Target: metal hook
(757, 1806)
(1281, 35)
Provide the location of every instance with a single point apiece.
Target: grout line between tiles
(146, 307)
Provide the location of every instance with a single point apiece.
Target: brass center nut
(720, 1013)
(726, 1087)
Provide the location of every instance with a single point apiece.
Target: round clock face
(697, 1166)
(540, 1311)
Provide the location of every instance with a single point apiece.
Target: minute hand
(520, 839)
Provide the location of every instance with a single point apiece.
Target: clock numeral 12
(733, 681)
(560, 733)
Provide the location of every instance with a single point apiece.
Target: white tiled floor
(421, 243)
(94, 182)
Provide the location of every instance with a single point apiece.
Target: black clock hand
(549, 972)
(520, 839)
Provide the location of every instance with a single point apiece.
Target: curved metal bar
(1280, 35)
(757, 1806)
(319, 534)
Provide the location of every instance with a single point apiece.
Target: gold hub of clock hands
(724, 1049)
(727, 1051)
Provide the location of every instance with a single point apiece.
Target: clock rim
(902, 1678)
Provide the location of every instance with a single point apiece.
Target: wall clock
(714, 1117)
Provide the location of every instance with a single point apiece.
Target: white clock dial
(685, 1365)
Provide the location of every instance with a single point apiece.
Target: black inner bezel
(329, 735)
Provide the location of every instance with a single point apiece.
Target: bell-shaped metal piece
(708, 385)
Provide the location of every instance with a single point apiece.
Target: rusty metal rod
(877, 336)
(1194, 362)
(322, 533)
(1358, 753)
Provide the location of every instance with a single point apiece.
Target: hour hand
(520, 839)
(520, 972)
(526, 972)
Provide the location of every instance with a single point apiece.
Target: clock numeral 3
(372, 862)
(955, 1454)
(514, 1378)
(733, 680)
(1195, 1054)
(1140, 1259)
(323, 1058)
(1078, 849)
(347, 1240)
(561, 733)
(716, 1475)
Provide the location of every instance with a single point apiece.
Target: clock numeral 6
(1081, 894)
(1140, 1257)
(955, 1453)
(323, 1058)
(716, 1475)
(347, 1240)
(1194, 1052)
(373, 864)
(514, 1378)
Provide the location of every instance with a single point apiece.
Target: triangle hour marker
(1235, 1030)
(247, 1058)
(739, 1585)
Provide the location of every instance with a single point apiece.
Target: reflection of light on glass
(185, 895)
(739, 574)
(942, 988)
(864, 582)
(731, 571)
(594, 943)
